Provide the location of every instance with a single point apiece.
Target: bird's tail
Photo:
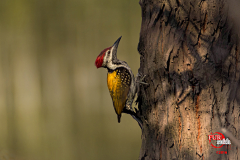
(119, 118)
(134, 115)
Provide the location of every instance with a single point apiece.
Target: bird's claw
(141, 79)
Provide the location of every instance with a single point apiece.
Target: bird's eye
(108, 52)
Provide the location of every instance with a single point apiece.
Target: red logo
(220, 141)
(216, 136)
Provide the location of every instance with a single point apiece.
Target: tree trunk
(189, 54)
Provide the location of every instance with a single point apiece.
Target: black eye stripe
(108, 54)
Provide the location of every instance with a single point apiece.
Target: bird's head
(106, 57)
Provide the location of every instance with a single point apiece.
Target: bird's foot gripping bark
(140, 78)
(135, 115)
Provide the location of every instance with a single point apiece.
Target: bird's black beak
(115, 45)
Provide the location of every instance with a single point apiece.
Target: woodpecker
(120, 81)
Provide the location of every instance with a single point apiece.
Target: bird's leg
(140, 81)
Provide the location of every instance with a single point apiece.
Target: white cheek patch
(107, 58)
(107, 61)
(110, 55)
(104, 61)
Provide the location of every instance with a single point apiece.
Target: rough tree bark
(189, 54)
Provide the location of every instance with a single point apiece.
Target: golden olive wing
(119, 84)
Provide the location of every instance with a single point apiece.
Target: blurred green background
(54, 103)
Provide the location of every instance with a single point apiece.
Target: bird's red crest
(99, 60)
